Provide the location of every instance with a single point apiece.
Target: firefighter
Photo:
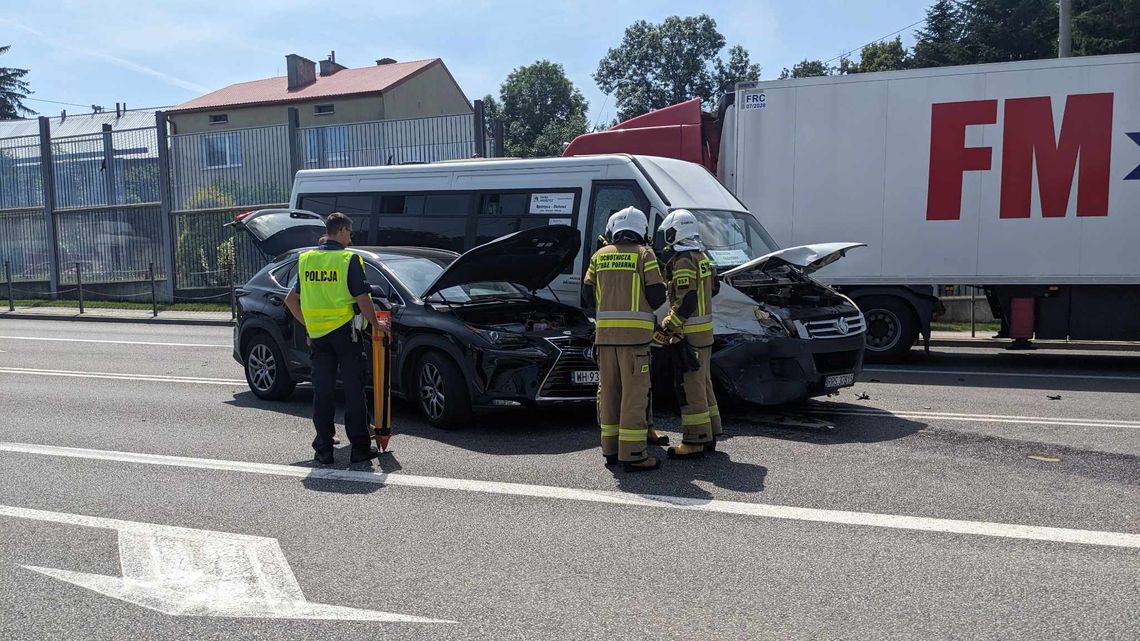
(330, 280)
(692, 283)
(624, 282)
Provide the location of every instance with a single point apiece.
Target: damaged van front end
(782, 337)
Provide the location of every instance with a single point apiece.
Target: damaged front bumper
(775, 370)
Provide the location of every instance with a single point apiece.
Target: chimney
(386, 61)
(330, 66)
(300, 71)
(117, 112)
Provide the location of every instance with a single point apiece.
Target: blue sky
(154, 53)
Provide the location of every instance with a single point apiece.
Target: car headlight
(498, 337)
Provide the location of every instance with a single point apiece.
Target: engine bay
(538, 317)
(784, 287)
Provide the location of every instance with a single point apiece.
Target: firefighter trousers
(696, 418)
(623, 396)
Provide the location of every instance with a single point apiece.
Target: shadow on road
(679, 478)
(386, 463)
(821, 428)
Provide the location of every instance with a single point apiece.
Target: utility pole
(1065, 30)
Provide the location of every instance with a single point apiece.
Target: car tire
(892, 328)
(266, 371)
(440, 391)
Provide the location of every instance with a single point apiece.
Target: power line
(893, 33)
(57, 102)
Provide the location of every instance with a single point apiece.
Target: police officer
(692, 283)
(330, 279)
(625, 284)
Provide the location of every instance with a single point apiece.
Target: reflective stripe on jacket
(692, 271)
(620, 274)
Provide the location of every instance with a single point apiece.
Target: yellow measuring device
(382, 381)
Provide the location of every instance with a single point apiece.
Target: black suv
(470, 330)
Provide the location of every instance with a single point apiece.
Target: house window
(323, 110)
(221, 150)
(219, 119)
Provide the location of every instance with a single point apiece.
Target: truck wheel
(441, 391)
(892, 328)
(265, 369)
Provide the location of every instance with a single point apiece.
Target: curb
(157, 320)
(1000, 344)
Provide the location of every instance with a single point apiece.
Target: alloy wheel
(262, 367)
(431, 391)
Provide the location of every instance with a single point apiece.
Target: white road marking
(187, 572)
(984, 418)
(759, 510)
(120, 376)
(92, 340)
(947, 372)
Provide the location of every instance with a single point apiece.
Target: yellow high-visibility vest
(326, 303)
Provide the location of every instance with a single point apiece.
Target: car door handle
(276, 300)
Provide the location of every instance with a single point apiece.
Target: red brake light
(242, 216)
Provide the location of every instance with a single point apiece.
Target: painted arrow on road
(188, 572)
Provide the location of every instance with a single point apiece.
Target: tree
(657, 65)
(806, 69)
(1006, 30)
(539, 109)
(888, 55)
(939, 42)
(1106, 26)
(13, 90)
(739, 68)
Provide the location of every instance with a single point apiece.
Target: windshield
(732, 238)
(417, 273)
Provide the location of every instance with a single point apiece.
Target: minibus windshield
(732, 238)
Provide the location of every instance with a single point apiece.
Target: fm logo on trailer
(1029, 137)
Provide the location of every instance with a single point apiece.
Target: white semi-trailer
(1020, 177)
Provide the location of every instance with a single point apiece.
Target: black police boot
(324, 458)
(360, 457)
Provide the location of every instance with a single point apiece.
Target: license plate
(838, 380)
(584, 378)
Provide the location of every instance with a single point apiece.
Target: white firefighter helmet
(680, 228)
(630, 220)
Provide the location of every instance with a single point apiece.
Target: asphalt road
(950, 497)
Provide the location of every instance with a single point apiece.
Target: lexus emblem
(842, 326)
(588, 354)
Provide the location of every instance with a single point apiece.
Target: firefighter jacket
(620, 275)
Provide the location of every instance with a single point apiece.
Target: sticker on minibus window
(728, 257)
(552, 204)
(560, 221)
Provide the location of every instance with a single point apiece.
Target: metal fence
(205, 251)
(109, 220)
(388, 142)
(230, 168)
(21, 181)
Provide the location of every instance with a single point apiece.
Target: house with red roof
(327, 94)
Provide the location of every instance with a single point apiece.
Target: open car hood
(531, 258)
(276, 231)
(809, 258)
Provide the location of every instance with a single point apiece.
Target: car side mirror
(380, 296)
